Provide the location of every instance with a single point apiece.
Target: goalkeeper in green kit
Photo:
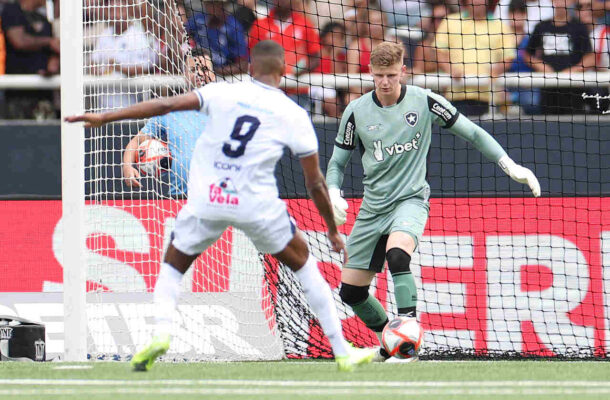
(391, 127)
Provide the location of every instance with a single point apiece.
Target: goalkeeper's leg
(319, 296)
(165, 298)
(355, 293)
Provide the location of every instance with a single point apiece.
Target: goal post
(73, 183)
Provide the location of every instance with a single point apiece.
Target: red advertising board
(502, 263)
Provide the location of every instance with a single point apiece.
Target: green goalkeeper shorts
(366, 245)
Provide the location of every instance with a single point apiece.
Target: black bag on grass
(21, 340)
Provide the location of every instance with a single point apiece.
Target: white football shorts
(193, 235)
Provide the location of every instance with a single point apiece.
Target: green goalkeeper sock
(405, 293)
(405, 290)
(371, 312)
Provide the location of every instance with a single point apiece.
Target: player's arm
(130, 174)
(461, 126)
(147, 109)
(335, 172)
(318, 191)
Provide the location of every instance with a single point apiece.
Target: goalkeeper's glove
(520, 174)
(339, 205)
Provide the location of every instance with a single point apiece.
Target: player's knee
(351, 294)
(398, 261)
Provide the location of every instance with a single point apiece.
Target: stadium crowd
(458, 38)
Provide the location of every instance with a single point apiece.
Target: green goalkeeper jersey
(394, 143)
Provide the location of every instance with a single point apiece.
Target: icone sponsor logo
(441, 112)
(227, 166)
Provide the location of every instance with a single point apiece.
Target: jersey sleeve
(304, 141)
(346, 137)
(156, 127)
(479, 138)
(344, 144)
(442, 111)
(206, 95)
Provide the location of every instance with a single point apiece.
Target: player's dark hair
(517, 6)
(330, 27)
(200, 52)
(267, 57)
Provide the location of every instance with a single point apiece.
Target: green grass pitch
(308, 380)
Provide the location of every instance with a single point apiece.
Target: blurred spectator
(245, 13)
(371, 31)
(165, 25)
(424, 57)
(528, 99)
(537, 10)
(294, 31)
(124, 49)
(2, 48)
(401, 12)
(30, 49)
(359, 12)
(95, 22)
(333, 50)
(220, 33)
(332, 61)
(591, 14)
(472, 45)
(558, 45)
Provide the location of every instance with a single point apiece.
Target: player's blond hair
(386, 54)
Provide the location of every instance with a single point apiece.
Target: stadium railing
(342, 81)
(437, 82)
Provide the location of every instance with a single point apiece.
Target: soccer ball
(402, 337)
(153, 157)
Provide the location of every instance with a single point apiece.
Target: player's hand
(131, 176)
(91, 120)
(54, 45)
(338, 245)
(339, 206)
(520, 174)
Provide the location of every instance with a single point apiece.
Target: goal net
(499, 273)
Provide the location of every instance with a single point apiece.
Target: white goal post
(73, 182)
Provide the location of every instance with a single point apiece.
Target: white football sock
(165, 298)
(320, 298)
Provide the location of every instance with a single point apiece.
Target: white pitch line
(309, 393)
(73, 367)
(300, 384)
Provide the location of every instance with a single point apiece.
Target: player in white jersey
(231, 183)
